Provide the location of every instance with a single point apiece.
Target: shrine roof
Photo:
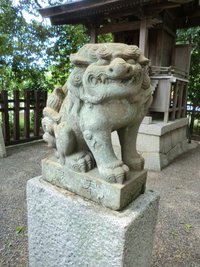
(87, 12)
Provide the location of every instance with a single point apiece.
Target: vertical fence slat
(185, 88)
(16, 115)
(37, 113)
(5, 116)
(180, 100)
(175, 98)
(27, 114)
(32, 100)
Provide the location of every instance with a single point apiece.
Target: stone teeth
(103, 78)
(93, 80)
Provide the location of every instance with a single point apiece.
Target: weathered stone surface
(90, 185)
(166, 141)
(2, 144)
(150, 144)
(66, 230)
(160, 128)
(108, 90)
(147, 120)
(160, 143)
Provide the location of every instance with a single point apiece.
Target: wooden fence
(21, 115)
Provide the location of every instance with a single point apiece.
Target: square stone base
(91, 186)
(160, 143)
(66, 230)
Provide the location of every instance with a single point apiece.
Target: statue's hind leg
(127, 138)
(65, 141)
(69, 151)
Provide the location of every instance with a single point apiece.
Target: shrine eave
(93, 11)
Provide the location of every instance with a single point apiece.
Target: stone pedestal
(160, 143)
(147, 120)
(67, 230)
(91, 186)
(2, 144)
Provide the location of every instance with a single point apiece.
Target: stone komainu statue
(108, 90)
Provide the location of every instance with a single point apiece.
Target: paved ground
(177, 242)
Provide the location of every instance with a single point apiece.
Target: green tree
(33, 54)
(22, 46)
(68, 39)
(65, 40)
(192, 36)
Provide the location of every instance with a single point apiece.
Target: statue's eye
(130, 61)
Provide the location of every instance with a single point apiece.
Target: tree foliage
(34, 54)
(68, 39)
(192, 36)
(22, 45)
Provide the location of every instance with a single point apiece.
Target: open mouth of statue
(105, 80)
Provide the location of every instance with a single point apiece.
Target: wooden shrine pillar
(93, 35)
(143, 37)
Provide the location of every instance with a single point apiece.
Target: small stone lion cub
(108, 90)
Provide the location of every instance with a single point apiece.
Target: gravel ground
(177, 241)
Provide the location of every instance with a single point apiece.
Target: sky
(28, 17)
(44, 4)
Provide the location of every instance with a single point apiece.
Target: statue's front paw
(114, 173)
(80, 161)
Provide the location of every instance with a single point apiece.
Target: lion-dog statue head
(109, 89)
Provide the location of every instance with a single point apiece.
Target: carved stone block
(108, 90)
(91, 186)
(160, 143)
(67, 230)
